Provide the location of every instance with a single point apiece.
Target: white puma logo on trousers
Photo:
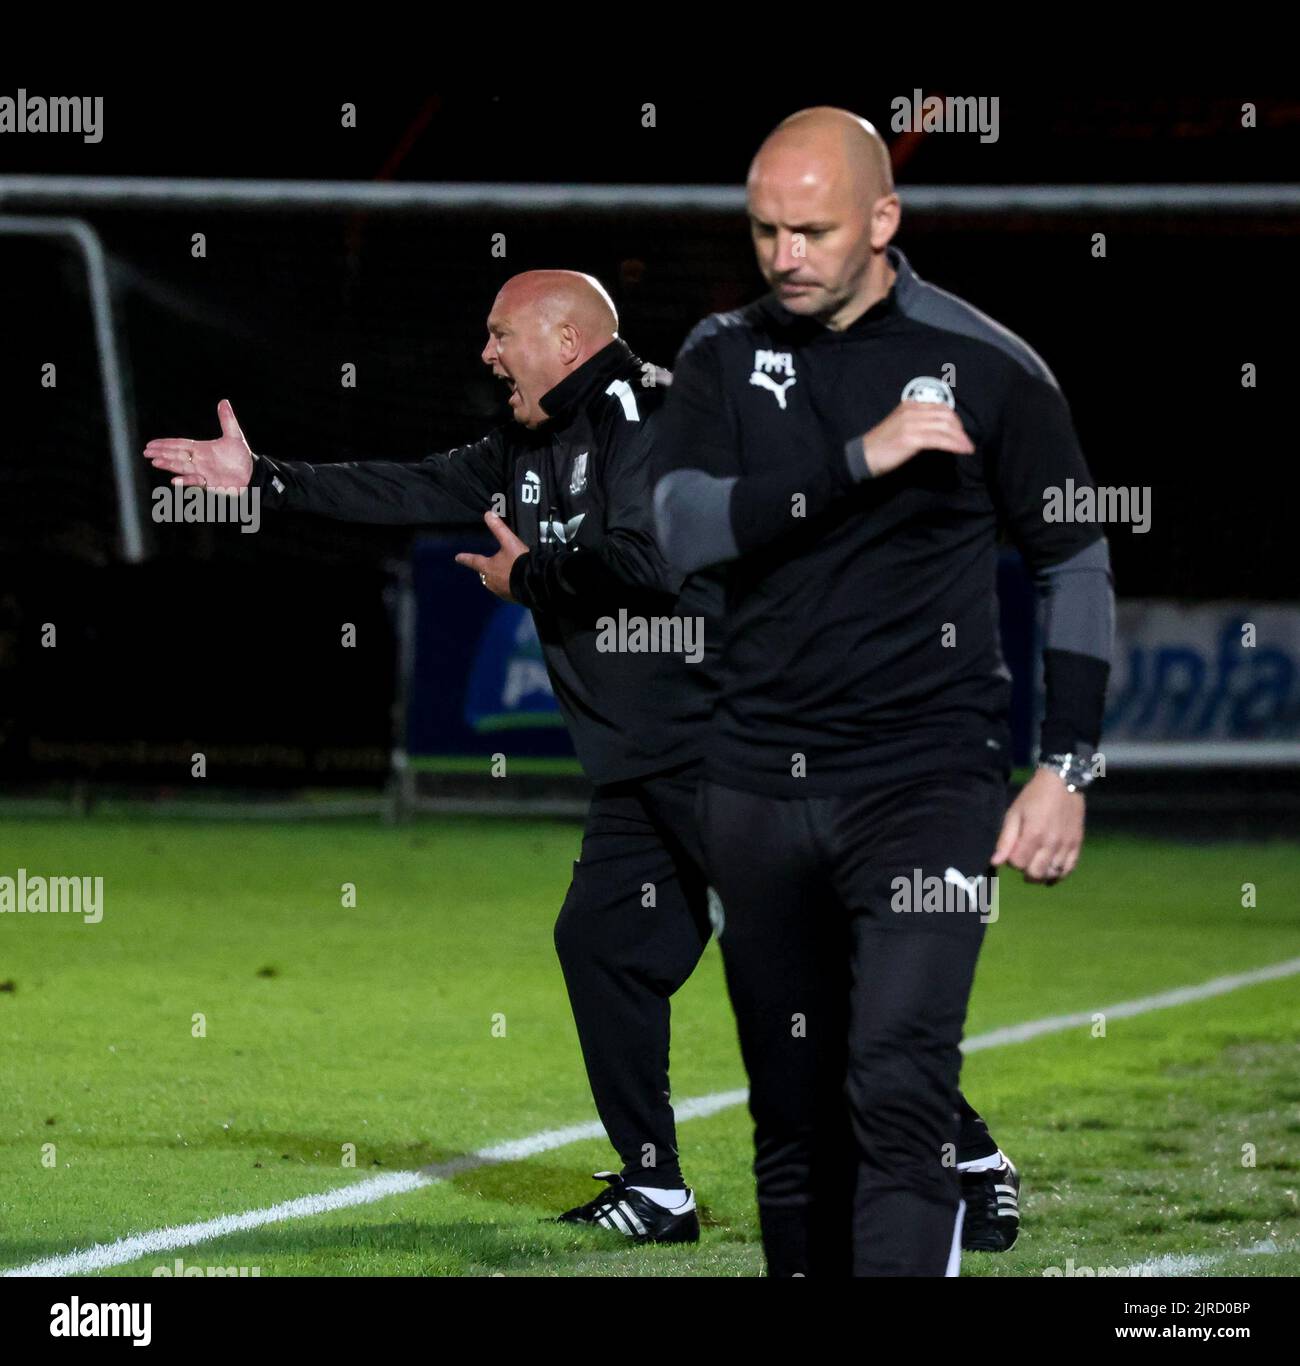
(969, 885)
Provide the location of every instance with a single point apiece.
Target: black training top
(861, 640)
(576, 491)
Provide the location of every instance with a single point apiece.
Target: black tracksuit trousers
(850, 1000)
(633, 926)
(631, 931)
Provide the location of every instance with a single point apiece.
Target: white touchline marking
(1186, 1264)
(104, 1255)
(124, 1250)
(1179, 996)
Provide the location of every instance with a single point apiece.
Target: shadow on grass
(528, 1194)
(456, 1247)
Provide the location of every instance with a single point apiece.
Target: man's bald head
(543, 325)
(822, 209)
(563, 296)
(824, 142)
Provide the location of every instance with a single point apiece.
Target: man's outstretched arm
(456, 487)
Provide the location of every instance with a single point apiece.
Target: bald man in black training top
(565, 489)
(848, 447)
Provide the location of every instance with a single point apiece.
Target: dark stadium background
(235, 637)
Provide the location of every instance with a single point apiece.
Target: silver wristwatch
(1074, 770)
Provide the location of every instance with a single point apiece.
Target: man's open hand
(226, 463)
(495, 570)
(911, 428)
(1043, 831)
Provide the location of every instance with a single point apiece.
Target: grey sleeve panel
(856, 455)
(708, 327)
(935, 307)
(1080, 603)
(693, 519)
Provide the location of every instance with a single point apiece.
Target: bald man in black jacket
(564, 489)
(849, 447)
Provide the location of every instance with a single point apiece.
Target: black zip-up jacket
(576, 491)
(861, 615)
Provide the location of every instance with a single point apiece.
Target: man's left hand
(1043, 830)
(495, 570)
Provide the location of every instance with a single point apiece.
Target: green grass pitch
(379, 1025)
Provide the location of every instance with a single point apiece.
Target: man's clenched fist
(910, 428)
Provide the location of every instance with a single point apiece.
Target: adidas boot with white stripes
(635, 1215)
(992, 1199)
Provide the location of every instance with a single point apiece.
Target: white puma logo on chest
(767, 382)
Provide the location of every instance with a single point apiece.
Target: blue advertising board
(478, 681)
